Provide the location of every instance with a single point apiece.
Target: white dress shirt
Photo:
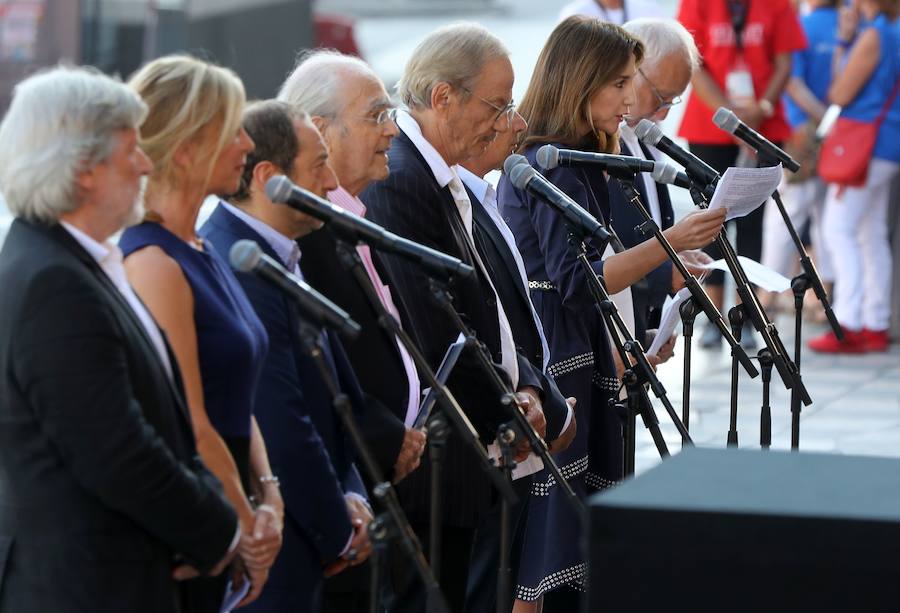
(631, 139)
(109, 257)
(445, 175)
(487, 195)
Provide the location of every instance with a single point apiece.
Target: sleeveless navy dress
(231, 340)
(581, 364)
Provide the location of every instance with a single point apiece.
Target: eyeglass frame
(390, 113)
(663, 105)
(509, 110)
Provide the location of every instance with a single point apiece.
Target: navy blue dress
(231, 340)
(580, 362)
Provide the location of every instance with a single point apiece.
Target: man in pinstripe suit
(458, 87)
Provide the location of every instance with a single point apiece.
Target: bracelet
(845, 44)
(264, 479)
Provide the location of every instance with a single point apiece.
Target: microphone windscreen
(512, 161)
(726, 120)
(278, 189)
(664, 173)
(648, 132)
(244, 255)
(521, 174)
(548, 157)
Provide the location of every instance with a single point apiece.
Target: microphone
(668, 174)
(726, 120)
(246, 256)
(353, 228)
(526, 178)
(699, 171)
(549, 157)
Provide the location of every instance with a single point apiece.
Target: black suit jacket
(100, 485)
(373, 354)
(648, 294)
(412, 204)
(517, 305)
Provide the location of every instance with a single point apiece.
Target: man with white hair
(349, 105)
(102, 487)
(670, 57)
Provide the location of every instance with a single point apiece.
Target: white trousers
(856, 235)
(802, 201)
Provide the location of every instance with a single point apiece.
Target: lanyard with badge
(739, 81)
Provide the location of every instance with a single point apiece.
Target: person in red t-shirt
(746, 47)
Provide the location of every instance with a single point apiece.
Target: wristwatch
(766, 107)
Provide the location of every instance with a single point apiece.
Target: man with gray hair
(457, 86)
(670, 57)
(102, 487)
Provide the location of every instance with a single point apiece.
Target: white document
(234, 596)
(668, 321)
(528, 466)
(742, 190)
(760, 275)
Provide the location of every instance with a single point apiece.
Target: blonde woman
(194, 137)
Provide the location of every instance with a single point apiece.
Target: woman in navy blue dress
(579, 93)
(194, 136)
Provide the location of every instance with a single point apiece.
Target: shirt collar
(286, 248)
(98, 251)
(481, 188)
(347, 201)
(442, 172)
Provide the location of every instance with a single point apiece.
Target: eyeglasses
(509, 110)
(662, 101)
(382, 117)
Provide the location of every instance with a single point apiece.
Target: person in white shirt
(102, 487)
(613, 11)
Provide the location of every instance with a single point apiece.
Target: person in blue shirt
(806, 99)
(867, 63)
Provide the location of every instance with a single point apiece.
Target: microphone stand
(438, 429)
(394, 520)
(507, 398)
(787, 370)
(507, 436)
(808, 278)
(637, 373)
(626, 180)
(688, 311)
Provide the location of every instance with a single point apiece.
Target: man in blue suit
(326, 511)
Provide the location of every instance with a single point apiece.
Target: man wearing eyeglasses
(349, 105)
(670, 58)
(458, 89)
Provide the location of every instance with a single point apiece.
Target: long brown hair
(581, 56)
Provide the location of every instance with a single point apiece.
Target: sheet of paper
(760, 275)
(526, 467)
(668, 322)
(743, 190)
(234, 596)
